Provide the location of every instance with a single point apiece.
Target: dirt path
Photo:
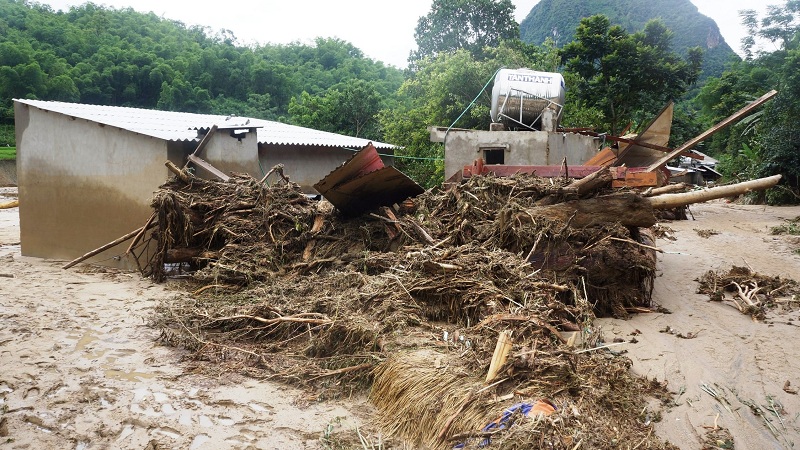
(741, 360)
(80, 369)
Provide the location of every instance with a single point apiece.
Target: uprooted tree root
(751, 293)
(288, 289)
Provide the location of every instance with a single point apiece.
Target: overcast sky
(383, 30)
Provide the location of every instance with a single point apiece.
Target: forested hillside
(558, 19)
(620, 70)
(98, 55)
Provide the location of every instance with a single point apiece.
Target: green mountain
(558, 19)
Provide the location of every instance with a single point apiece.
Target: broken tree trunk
(665, 190)
(668, 201)
(629, 209)
(178, 172)
(582, 186)
(633, 210)
(182, 255)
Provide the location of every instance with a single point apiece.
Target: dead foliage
(718, 438)
(751, 293)
(703, 233)
(287, 288)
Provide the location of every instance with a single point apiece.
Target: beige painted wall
(230, 154)
(522, 148)
(307, 165)
(82, 184)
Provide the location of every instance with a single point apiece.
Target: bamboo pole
(667, 201)
(105, 247)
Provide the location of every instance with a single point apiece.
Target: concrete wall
(307, 165)
(82, 184)
(232, 154)
(521, 148)
(8, 173)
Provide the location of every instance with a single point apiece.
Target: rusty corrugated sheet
(363, 183)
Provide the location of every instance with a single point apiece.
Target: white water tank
(521, 97)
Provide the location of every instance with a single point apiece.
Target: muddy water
(81, 369)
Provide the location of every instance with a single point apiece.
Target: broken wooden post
(500, 356)
(11, 204)
(178, 172)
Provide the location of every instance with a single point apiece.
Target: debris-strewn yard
(411, 323)
(408, 303)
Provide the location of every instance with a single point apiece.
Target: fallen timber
(633, 210)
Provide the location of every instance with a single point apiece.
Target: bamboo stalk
(105, 247)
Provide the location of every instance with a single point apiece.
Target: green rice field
(8, 153)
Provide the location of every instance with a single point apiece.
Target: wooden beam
(205, 165)
(713, 130)
(203, 143)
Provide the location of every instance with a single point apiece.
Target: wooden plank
(203, 143)
(713, 130)
(203, 164)
(637, 179)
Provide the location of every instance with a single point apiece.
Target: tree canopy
(623, 75)
(471, 25)
(99, 55)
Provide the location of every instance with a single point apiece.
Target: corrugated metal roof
(179, 126)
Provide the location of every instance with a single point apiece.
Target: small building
(513, 148)
(86, 173)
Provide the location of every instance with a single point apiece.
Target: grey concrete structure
(518, 148)
(87, 173)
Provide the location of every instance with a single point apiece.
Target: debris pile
(751, 293)
(414, 295)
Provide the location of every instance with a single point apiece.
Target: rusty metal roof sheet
(179, 126)
(363, 183)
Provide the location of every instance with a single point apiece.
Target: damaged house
(87, 173)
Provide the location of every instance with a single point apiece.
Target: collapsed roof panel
(363, 183)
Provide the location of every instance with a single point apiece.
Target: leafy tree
(627, 76)
(768, 141)
(472, 25)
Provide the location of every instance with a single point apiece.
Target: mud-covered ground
(746, 363)
(81, 369)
